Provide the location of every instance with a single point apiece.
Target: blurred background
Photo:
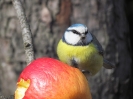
(111, 21)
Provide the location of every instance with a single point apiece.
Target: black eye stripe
(86, 32)
(75, 32)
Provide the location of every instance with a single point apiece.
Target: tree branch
(26, 32)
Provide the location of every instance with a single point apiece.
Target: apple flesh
(47, 78)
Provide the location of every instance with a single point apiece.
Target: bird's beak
(83, 36)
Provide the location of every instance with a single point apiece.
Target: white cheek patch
(71, 38)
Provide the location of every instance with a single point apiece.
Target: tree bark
(26, 33)
(119, 43)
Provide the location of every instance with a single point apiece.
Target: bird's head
(77, 34)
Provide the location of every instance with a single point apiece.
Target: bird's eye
(75, 32)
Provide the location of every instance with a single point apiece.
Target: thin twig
(26, 32)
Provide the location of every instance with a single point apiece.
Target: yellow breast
(87, 57)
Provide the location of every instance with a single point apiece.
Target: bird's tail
(108, 64)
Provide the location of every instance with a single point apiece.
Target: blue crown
(77, 25)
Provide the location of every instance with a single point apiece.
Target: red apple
(47, 78)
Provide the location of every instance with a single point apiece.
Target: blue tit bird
(79, 48)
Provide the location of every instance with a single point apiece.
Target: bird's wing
(98, 45)
(106, 63)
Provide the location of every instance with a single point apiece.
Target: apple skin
(48, 78)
